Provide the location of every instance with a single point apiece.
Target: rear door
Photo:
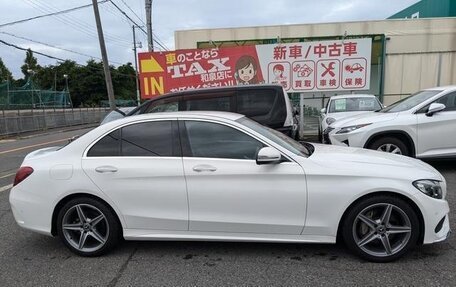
(139, 166)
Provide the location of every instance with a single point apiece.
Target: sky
(76, 31)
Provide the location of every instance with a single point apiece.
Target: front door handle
(106, 169)
(204, 167)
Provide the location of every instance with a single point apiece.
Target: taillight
(22, 173)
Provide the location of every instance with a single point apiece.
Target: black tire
(109, 226)
(320, 135)
(350, 227)
(390, 140)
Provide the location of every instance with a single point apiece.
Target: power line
(50, 14)
(38, 53)
(128, 17)
(76, 24)
(136, 24)
(144, 24)
(62, 60)
(55, 47)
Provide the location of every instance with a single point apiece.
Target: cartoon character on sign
(246, 70)
(278, 73)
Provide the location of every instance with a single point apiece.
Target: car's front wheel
(88, 227)
(390, 145)
(381, 228)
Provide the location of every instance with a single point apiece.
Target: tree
(5, 74)
(30, 63)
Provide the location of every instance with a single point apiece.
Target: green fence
(30, 96)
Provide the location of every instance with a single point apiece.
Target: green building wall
(428, 9)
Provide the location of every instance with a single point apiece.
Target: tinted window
(255, 102)
(144, 139)
(410, 102)
(449, 101)
(354, 105)
(208, 102)
(219, 141)
(148, 139)
(108, 146)
(163, 107)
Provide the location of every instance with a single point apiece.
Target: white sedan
(221, 176)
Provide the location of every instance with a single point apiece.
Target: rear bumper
(29, 212)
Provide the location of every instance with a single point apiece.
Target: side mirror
(434, 108)
(323, 111)
(268, 155)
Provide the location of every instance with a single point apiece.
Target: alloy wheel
(391, 148)
(382, 229)
(85, 227)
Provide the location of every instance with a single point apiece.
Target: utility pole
(136, 67)
(150, 42)
(104, 56)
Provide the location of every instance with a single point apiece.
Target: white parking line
(6, 187)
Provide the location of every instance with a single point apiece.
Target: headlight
(330, 120)
(429, 187)
(348, 129)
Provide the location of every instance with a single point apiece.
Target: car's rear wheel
(88, 227)
(390, 145)
(381, 228)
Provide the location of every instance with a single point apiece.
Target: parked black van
(268, 105)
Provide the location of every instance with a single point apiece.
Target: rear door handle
(106, 169)
(204, 167)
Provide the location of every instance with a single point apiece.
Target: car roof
(442, 88)
(182, 114)
(352, 96)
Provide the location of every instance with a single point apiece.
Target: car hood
(342, 115)
(364, 161)
(371, 117)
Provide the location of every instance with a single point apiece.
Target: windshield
(354, 105)
(275, 136)
(410, 102)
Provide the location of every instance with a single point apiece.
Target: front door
(139, 167)
(437, 133)
(229, 192)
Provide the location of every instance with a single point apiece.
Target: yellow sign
(150, 66)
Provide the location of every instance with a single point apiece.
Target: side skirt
(141, 234)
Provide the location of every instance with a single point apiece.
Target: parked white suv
(342, 106)
(422, 125)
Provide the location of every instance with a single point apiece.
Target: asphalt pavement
(30, 259)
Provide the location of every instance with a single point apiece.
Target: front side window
(142, 139)
(449, 101)
(212, 140)
(165, 105)
(410, 102)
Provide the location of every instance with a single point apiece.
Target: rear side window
(108, 146)
(147, 139)
(221, 101)
(144, 139)
(253, 103)
(165, 105)
(265, 106)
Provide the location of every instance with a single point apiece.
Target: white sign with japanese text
(333, 65)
